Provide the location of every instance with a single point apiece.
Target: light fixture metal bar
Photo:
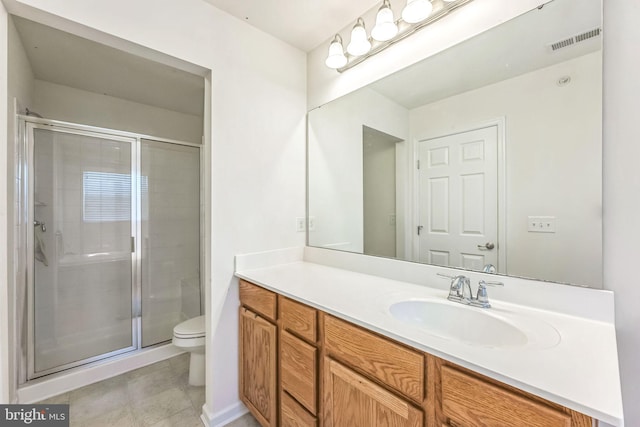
(408, 30)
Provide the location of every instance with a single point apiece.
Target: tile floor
(157, 395)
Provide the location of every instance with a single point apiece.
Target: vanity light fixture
(416, 11)
(336, 58)
(386, 27)
(359, 44)
(416, 15)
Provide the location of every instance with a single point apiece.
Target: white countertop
(579, 372)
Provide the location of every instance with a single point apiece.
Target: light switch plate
(300, 224)
(541, 224)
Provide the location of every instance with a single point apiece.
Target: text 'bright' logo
(26, 416)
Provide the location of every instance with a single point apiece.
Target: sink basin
(474, 326)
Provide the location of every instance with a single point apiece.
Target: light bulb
(385, 28)
(416, 11)
(359, 44)
(336, 58)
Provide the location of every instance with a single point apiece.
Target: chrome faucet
(460, 291)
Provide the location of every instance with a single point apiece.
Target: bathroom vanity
(321, 346)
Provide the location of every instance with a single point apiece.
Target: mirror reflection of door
(379, 204)
(458, 199)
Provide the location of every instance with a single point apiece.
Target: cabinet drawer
(294, 415)
(469, 401)
(298, 319)
(258, 299)
(392, 364)
(298, 361)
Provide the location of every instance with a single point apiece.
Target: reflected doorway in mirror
(457, 199)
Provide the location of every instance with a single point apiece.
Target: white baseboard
(224, 417)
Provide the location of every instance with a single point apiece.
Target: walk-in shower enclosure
(110, 238)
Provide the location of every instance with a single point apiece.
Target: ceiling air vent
(575, 39)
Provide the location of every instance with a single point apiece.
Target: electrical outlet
(312, 223)
(541, 224)
(300, 224)
(392, 219)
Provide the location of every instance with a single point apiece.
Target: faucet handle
(484, 283)
(482, 297)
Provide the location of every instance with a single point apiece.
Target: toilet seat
(192, 328)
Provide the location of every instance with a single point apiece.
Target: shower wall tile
(71, 180)
(90, 152)
(72, 215)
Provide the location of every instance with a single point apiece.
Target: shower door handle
(137, 309)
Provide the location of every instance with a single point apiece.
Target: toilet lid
(190, 328)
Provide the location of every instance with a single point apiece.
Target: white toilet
(189, 336)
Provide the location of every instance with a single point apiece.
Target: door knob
(487, 246)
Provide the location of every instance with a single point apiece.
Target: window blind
(106, 197)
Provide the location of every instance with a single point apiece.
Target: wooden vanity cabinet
(300, 367)
(258, 353)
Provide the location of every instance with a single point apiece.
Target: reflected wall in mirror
(488, 154)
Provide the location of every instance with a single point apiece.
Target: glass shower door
(170, 227)
(82, 293)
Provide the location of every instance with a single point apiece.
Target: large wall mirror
(487, 156)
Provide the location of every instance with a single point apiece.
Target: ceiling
(514, 48)
(65, 59)
(304, 24)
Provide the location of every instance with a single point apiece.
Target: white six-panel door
(458, 199)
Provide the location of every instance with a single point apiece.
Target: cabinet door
(258, 378)
(351, 400)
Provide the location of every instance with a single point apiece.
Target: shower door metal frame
(26, 134)
(25, 139)
(31, 125)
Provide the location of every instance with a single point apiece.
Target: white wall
(20, 89)
(621, 188)
(553, 154)
(257, 149)
(379, 193)
(58, 102)
(335, 164)
(5, 295)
